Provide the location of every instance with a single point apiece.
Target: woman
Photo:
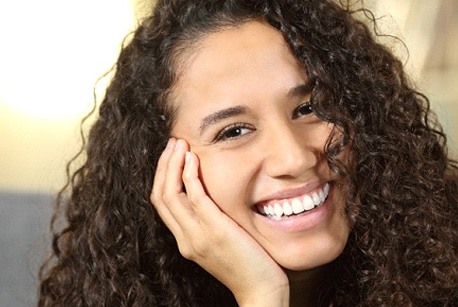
(259, 153)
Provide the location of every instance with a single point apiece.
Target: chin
(307, 258)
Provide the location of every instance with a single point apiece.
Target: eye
(303, 110)
(233, 131)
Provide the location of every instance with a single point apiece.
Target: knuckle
(153, 198)
(186, 251)
(157, 197)
(167, 197)
(196, 250)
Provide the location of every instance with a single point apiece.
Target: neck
(303, 286)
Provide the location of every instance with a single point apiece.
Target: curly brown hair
(114, 250)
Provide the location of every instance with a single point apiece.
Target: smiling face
(242, 104)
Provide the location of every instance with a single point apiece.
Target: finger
(158, 186)
(169, 221)
(173, 183)
(175, 199)
(159, 176)
(201, 202)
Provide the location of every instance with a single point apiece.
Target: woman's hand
(209, 237)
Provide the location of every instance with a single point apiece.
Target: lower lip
(306, 220)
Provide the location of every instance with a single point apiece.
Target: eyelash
(224, 134)
(309, 110)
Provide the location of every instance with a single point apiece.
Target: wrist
(266, 297)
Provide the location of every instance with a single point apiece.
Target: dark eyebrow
(220, 115)
(297, 91)
(300, 90)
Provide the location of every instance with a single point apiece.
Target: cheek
(226, 180)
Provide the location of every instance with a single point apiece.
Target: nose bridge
(287, 152)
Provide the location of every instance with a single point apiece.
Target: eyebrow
(220, 115)
(297, 91)
(300, 90)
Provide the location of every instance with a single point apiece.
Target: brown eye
(233, 131)
(303, 110)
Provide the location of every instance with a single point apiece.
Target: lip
(290, 193)
(304, 221)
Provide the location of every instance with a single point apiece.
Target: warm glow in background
(52, 52)
(51, 55)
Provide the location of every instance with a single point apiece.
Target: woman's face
(242, 105)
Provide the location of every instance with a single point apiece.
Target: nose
(288, 153)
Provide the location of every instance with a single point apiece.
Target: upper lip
(290, 193)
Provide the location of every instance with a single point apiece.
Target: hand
(209, 237)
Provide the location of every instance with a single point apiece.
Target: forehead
(231, 46)
(236, 64)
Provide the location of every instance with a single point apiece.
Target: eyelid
(220, 135)
(307, 103)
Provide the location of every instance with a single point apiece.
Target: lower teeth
(276, 217)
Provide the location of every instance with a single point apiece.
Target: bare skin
(252, 276)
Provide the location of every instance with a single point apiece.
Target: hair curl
(114, 249)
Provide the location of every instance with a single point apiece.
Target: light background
(53, 51)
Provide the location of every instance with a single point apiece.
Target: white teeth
(270, 210)
(287, 210)
(322, 196)
(326, 189)
(316, 199)
(278, 210)
(296, 205)
(308, 203)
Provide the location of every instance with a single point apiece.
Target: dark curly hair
(110, 248)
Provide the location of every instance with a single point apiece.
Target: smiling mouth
(293, 206)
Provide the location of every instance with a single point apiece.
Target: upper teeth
(295, 205)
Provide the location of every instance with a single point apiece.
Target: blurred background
(52, 54)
